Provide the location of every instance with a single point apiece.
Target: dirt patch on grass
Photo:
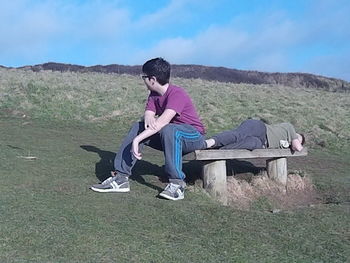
(245, 192)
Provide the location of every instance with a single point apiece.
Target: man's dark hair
(159, 68)
(303, 138)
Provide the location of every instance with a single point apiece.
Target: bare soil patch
(244, 190)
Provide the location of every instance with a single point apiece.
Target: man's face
(149, 81)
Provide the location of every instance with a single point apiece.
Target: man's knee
(168, 130)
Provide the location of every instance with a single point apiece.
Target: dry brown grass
(298, 192)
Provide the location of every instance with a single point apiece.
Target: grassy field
(73, 123)
(93, 97)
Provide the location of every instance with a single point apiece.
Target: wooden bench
(214, 166)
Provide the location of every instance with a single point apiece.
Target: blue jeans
(173, 139)
(250, 134)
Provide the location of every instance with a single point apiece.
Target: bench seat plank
(219, 154)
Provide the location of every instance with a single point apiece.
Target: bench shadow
(237, 168)
(106, 164)
(193, 171)
(245, 170)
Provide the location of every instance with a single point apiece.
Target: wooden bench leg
(214, 179)
(277, 169)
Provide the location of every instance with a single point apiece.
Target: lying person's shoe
(113, 184)
(173, 192)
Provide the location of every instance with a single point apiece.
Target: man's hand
(150, 120)
(161, 121)
(135, 149)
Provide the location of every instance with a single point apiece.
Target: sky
(310, 36)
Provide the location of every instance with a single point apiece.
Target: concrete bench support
(214, 179)
(277, 169)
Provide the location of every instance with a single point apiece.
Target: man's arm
(160, 122)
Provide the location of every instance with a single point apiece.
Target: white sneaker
(113, 184)
(173, 192)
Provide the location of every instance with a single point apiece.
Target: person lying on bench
(255, 134)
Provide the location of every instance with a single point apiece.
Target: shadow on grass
(192, 169)
(105, 166)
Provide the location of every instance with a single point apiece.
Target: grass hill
(96, 97)
(220, 74)
(72, 122)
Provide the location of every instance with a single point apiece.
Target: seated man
(171, 124)
(255, 134)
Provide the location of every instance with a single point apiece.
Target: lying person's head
(297, 144)
(301, 138)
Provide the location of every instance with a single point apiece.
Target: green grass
(48, 214)
(330, 172)
(94, 97)
(74, 122)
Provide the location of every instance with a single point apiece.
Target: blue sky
(311, 36)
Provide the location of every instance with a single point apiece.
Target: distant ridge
(221, 74)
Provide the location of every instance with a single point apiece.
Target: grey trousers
(250, 134)
(173, 139)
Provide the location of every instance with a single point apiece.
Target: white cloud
(175, 12)
(25, 29)
(227, 46)
(270, 62)
(269, 42)
(331, 66)
(174, 50)
(35, 29)
(94, 20)
(103, 32)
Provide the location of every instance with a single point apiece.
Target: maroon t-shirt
(177, 99)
